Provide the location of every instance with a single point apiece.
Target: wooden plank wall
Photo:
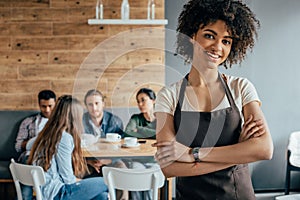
(47, 44)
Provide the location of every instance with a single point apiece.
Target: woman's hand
(78, 179)
(252, 128)
(98, 163)
(171, 151)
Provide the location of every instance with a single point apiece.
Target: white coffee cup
(130, 141)
(113, 137)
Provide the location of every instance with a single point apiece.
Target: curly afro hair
(240, 20)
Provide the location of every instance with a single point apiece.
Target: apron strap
(227, 91)
(223, 79)
(182, 90)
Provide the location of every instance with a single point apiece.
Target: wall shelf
(130, 21)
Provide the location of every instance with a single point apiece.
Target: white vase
(99, 9)
(125, 10)
(151, 10)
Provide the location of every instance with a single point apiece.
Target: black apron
(211, 129)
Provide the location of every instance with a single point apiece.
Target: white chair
(133, 180)
(293, 158)
(288, 197)
(27, 175)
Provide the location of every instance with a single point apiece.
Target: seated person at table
(62, 158)
(32, 125)
(143, 125)
(30, 128)
(97, 121)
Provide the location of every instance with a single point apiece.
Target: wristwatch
(195, 152)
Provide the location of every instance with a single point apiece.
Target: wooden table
(103, 149)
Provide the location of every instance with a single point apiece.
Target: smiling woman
(201, 137)
(215, 36)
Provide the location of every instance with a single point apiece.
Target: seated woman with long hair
(58, 150)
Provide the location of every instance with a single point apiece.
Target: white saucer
(131, 146)
(106, 140)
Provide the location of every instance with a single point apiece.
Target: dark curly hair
(240, 20)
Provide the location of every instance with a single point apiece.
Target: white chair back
(133, 180)
(28, 175)
(288, 197)
(294, 147)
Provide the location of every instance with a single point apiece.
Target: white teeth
(213, 55)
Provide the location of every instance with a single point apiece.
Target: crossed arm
(175, 159)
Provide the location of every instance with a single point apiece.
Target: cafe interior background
(48, 43)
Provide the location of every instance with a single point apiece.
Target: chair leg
(164, 191)
(287, 181)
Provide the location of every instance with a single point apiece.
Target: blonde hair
(66, 116)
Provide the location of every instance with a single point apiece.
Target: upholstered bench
(9, 126)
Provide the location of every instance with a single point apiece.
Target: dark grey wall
(174, 66)
(274, 70)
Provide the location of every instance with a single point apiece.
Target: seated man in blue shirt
(97, 121)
